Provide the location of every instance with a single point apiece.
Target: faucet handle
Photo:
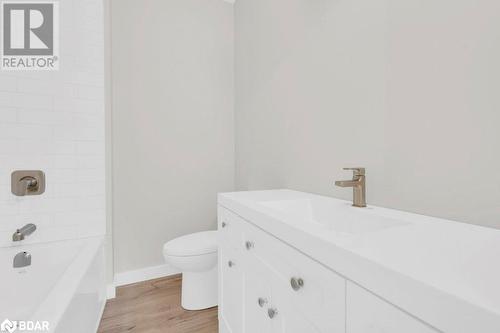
(357, 171)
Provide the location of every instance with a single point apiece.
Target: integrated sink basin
(443, 272)
(347, 220)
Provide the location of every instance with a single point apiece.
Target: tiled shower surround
(54, 121)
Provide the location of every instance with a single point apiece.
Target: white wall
(173, 134)
(108, 140)
(407, 89)
(54, 121)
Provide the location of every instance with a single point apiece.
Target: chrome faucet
(22, 259)
(27, 230)
(358, 184)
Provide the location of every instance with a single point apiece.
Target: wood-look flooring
(155, 307)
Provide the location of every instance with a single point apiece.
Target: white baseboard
(144, 274)
(110, 291)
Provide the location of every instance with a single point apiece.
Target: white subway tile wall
(54, 121)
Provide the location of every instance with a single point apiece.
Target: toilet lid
(192, 245)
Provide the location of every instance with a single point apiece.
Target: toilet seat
(197, 244)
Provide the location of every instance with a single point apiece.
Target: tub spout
(27, 230)
(22, 259)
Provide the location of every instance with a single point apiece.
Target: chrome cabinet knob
(223, 224)
(248, 245)
(230, 263)
(296, 283)
(262, 302)
(272, 312)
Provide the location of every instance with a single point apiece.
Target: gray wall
(408, 89)
(108, 120)
(173, 140)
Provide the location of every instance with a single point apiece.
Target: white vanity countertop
(445, 273)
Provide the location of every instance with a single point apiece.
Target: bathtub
(63, 288)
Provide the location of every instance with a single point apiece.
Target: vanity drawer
(312, 290)
(230, 228)
(231, 289)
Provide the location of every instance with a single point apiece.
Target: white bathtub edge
(101, 312)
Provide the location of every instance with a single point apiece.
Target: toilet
(195, 255)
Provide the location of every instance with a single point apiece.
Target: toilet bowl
(195, 255)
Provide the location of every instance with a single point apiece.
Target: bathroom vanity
(296, 262)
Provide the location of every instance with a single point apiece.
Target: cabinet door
(293, 318)
(275, 313)
(258, 299)
(367, 313)
(231, 290)
(318, 304)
